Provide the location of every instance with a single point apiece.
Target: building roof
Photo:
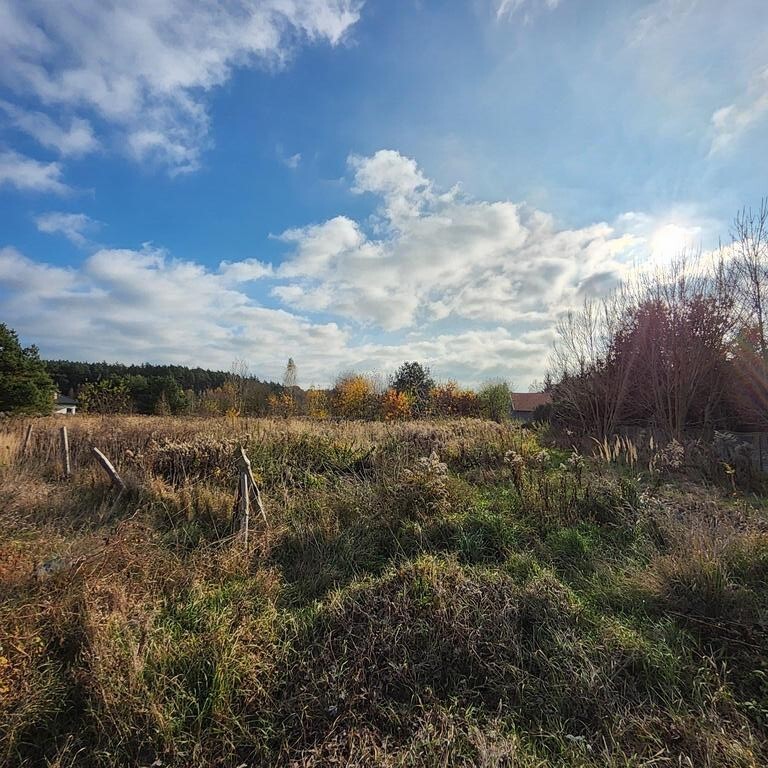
(529, 401)
(64, 400)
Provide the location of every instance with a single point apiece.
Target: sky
(355, 183)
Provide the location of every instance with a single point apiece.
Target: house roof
(528, 401)
(64, 400)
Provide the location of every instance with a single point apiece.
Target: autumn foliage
(395, 405)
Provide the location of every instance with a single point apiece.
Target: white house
(64, 404)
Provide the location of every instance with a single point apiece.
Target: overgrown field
(448, 593)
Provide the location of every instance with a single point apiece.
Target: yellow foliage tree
(395, 405)
(317, 404)
(355, 397)
(281, 405)
(450, 400)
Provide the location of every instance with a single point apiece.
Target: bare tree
(290, 375)
(654, 352)
(593, 381)
(684, 325)
(750, 261)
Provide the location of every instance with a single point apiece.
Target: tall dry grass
(426, 593)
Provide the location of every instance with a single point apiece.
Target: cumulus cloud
(139, 305)
(73, 226)
(30, 175)
(245, 271)
(431, 255)
(145, 66)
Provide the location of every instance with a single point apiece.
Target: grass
(428, 593)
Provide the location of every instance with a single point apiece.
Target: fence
(67, 453)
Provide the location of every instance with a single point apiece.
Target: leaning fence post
(246, 487)
(65, 452)
(106, 465)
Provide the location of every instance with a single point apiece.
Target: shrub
(449, 400)
(354, 397)
(496, 400)
(413, 379)
(317, 404)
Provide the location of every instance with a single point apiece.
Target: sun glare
(671, 240)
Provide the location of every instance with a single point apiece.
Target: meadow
(423, 593)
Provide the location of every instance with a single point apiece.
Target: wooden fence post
(245, 507)
(247, 487)
(106, 465)
(65, 452)
(27, 438)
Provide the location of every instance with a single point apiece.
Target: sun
(671, 240)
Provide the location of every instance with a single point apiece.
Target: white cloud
(397, 179)
(144, 66)
(246, 271)
(506, 8)
(733, 120)
(293, 161)
(138, 305)
(319, 247)
(660, 16)
(74, 226)
(435, 255)
(142, 305)
(28, 279)
(27, 174)
(76, 139)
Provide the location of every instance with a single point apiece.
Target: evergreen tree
(105, 396)
(25, 386)
(413, 379)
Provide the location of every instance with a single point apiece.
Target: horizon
(354, 184)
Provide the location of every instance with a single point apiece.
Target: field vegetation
(455, 592)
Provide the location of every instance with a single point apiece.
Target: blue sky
(358, 183)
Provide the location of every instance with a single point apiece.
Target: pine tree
(413, 379)
(25, 386)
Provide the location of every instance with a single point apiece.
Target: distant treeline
(69, 375)
(159, 389)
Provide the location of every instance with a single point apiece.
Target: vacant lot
(446, 593)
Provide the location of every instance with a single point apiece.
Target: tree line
(160, 389)
(409, 393)
(28, 385)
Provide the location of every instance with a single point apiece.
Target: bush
(496, 400)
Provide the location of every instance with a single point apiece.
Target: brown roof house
(525, 403)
